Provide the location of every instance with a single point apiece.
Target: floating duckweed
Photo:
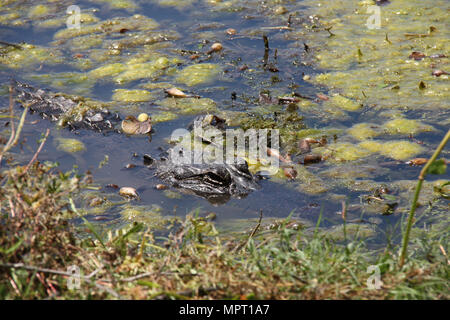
(310, 133)
(38, 11)
(108, 70)
(86, 42)
(175, 3)
(136, 22)
(172, 194)
(344, 152)
(30, 55)
(363, 131)
(120, 4)
(6, 19)
(405, 126)
(352, 230)
(383, 75)
(70, 145)
(157, 85)
(136, 71)
(344, 103)
(400, 150)
(151, 216)
(125, 95)
(309, 182)
(189, 105)
(305, 104)
(198, 74)
(163, 116)
(372, 146)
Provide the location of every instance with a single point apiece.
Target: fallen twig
(37, 151)
(61, 273)
(241, 245)
(14, 137)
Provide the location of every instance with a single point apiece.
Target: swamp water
(377, 104)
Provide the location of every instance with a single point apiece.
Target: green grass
(38, 245)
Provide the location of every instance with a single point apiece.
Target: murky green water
(372, 127)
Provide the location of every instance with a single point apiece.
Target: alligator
(215, 182)
(72, 112)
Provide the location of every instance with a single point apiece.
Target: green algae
(198, 74)
(163, 116)
(344, 103)
(30, 55)
(363, 131)
(135, 70)
(52, 23)
(124, 95)
(175, 3)
(120, 4)
(351, 231)
(86, 42)
(343, 151)
(107, 70)
(383, 74)
(401, 150)
(372, 146)
(80, 83)
(69, 145)
(38, 11)
(149, 215)
(188, 105)
(136, 23)
(172, 194)
(405, 126)
(398, 150)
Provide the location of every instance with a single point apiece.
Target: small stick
(277, 28)
(240, 246)
(37, 151)
(257, 226)
(11, 45)
(266, 50)
(344, 210)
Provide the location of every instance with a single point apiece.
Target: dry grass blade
(14, 137)
(37, 151)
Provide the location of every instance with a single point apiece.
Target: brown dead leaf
(417, 161)
(416, 55)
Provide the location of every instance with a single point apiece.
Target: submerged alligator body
(69, 111)
(215, 182)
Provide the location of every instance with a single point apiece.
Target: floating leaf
(231, 31)
(177, 93)
(417, 161)
(128, 192)
(216, 47)
(438, 73)
(131, 125)
(417, 55)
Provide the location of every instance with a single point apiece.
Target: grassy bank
(38, 247)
